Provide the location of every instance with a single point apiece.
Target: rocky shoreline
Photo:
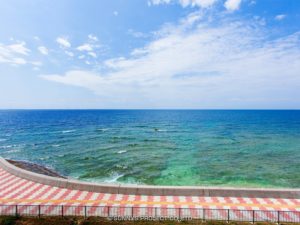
(36, 168)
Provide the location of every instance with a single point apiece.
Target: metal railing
(151, 212)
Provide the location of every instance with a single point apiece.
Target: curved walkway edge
(150, 189)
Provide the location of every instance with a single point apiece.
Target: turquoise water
(161, 147)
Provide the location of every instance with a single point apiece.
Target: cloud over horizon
(206, 63)
(175, 54)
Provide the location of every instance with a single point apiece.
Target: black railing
(120, 212)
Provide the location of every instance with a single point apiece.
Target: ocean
(240, 148)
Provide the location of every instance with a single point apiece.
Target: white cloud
(14, 54)
(76, 78)
(36, 63)
(92, 37)
(221, 65)
(116, 13)
(93, 54)
(199, 3)
(185, 3)
(19, 48)
(71, 54)
(158, 2)
(17, 61)
(63, 42)
(260, 20)
(232, 5)
(192, 18)
(43, 50)
(89, 49)
(137, 34)
(85, 47)
(280, 17)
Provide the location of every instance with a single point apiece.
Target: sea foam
(68, 131)
(122, 151)
(114, 178)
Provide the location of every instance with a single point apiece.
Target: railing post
(132, 211)
(253, 216)
(16, 213)
(179, 213)
(108, 211)
(85, 212)
(62, 211)
(155, 212)
(203, 214)
(278, 217)
(228, 215)
(39, 207)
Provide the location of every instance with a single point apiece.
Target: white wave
(3, 139)
(13, 151)
(44, 158)
(160, 130)
(68, 131)
(114, 178)
(121, 166)
(103, 129)
(122, 151)
(6, 146)
(55, 146)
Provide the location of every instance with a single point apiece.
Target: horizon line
(170, 109)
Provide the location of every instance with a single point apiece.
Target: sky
(150, 54)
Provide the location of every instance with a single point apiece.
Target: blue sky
(198, 54)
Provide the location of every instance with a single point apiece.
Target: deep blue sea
(161, 147)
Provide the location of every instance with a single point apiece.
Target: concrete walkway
(16, 190)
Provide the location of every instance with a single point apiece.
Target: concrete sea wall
(149, 189)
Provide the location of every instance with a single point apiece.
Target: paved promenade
(15, 190)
